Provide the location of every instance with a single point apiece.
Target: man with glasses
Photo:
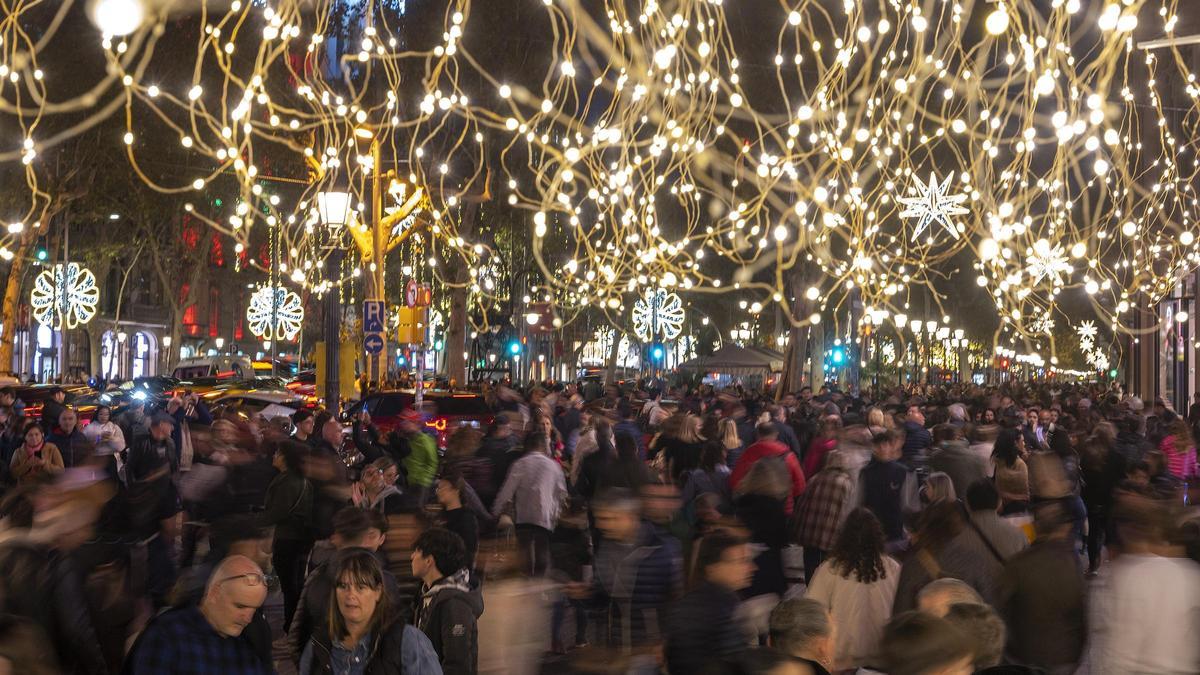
(207, 638)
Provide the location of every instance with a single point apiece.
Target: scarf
(30, 451)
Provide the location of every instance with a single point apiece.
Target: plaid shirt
(823, 507)
(182, 642)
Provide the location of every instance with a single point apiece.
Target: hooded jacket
(448, 614)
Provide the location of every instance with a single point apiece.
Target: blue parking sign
(374, 316)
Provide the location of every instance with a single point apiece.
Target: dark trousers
(1097, 531)
(813, 557)
(288, 557)
(160, 571)
(533, 545)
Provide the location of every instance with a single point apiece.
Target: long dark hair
(859, 548)
(359, 566)
(712, 454)
(1005, 449)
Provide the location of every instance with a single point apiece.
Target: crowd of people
(941, 530)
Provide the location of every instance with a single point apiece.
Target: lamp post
(960, 343)
(375, 364)
(166, 341)
(334, 211)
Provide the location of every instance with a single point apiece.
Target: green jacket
(421, 464)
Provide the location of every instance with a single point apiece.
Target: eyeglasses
(252, 579)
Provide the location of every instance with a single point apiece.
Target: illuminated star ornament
(658, 313)
(1043, 324)
(1047, 262)
(69, 291)
(933, 205)
(288, 314)
(1087, 334)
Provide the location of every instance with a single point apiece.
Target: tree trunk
(613, 352)
(816, 364)
(456, 336)
(794, 370)
(11, 306)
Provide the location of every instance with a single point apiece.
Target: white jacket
(536, 486)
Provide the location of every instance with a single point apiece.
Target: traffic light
(42, 254)
(514, 347)
(838, 356)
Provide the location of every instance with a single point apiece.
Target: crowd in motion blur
(630, 529)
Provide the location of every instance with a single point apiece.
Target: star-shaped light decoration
(1043, 324)
(932, 204)
(1087, 334)
(1098, 359)
(1044, 261)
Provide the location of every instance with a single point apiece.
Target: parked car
(267, 403)
(443, 412)
(222, 367)
(36, 395)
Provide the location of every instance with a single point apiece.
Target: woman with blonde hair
(727, 433)
(681, 445)
(876, 420)
(938, 487)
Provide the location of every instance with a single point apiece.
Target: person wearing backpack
(289, 509)
(769, 455)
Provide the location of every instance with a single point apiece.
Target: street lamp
(334, 209)
(335, 212)
(219, 342)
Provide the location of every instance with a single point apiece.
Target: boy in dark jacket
(449, 608)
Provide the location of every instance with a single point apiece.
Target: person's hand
(577, 590)
(358, 494)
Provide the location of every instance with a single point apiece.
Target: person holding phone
(35, 457)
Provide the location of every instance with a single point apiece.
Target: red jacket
(761, 449)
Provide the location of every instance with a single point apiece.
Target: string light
(653, 152)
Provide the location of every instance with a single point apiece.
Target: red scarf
(31, 450)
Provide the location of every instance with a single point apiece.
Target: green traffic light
(41, 254)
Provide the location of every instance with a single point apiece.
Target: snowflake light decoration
(1098, 359)
(933, 205)
(69, 290)
(1043, 324)
(288, 314)
(658, 313)
(1044, 261)
(1087, 334)
(888, 352)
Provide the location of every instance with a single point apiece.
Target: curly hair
(859, 548)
